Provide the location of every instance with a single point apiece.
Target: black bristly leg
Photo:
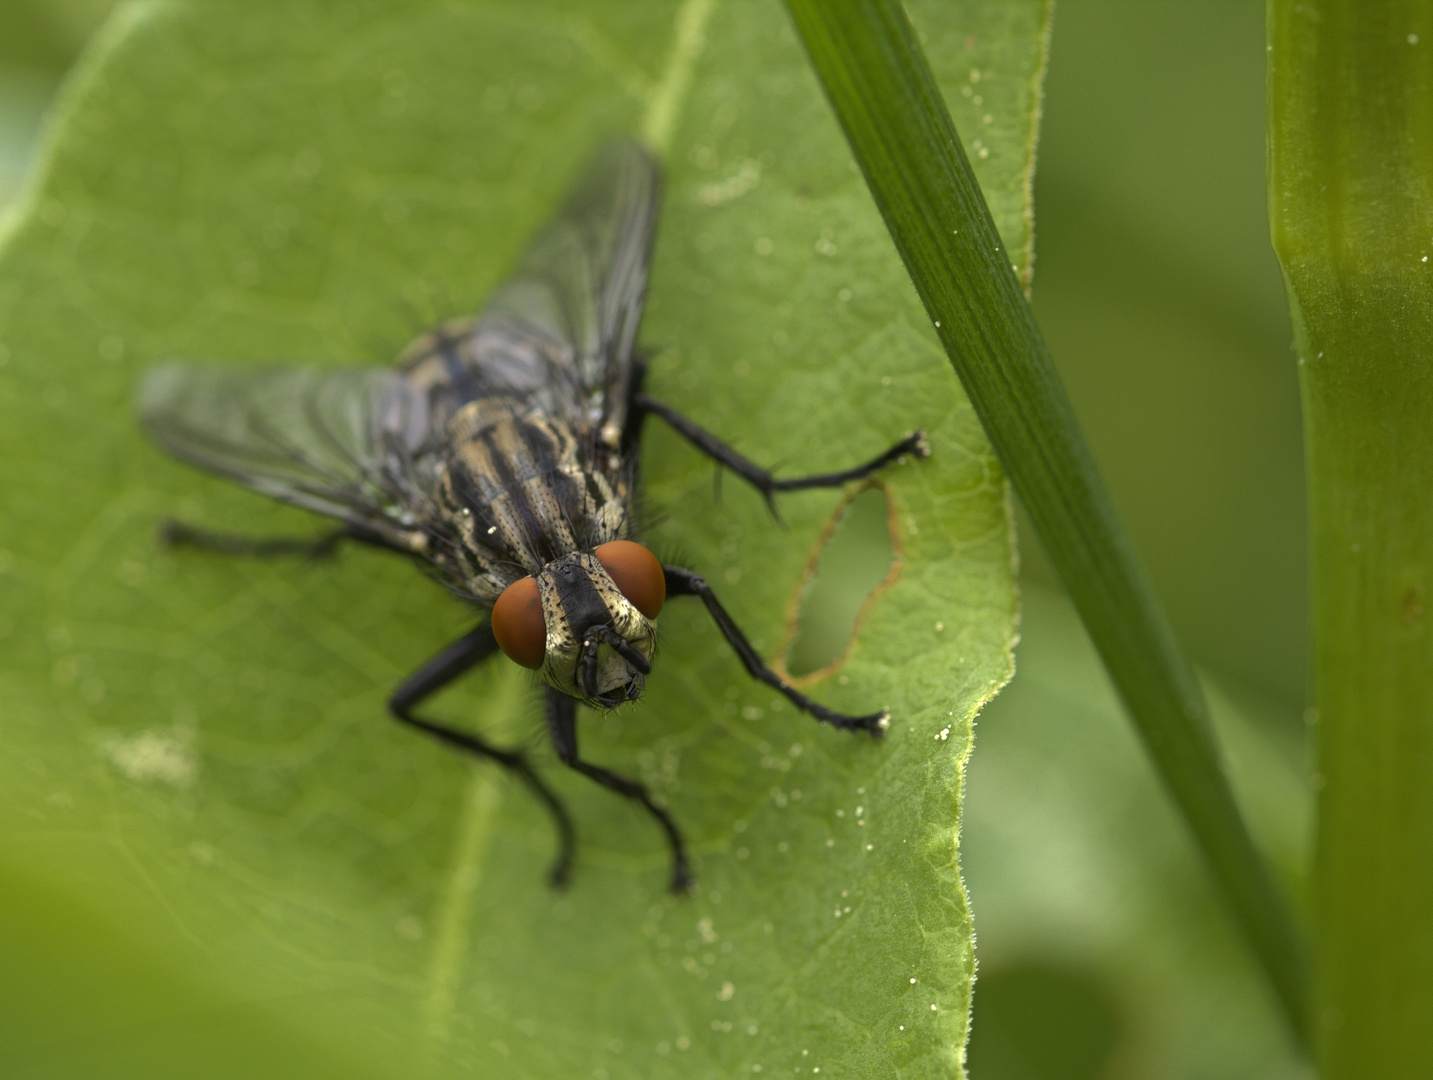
(467, 651)
(178, 534)
(562, 725)
(761, 479)
(684, 582)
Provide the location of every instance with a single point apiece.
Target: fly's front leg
(437, 673)
(178, 534)
(683, 582)
(562, 724)
(761, 479)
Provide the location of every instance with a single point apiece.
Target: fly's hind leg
(453, 661)
(562, 724)
(761, 479)
(178, 534)
(684, 582)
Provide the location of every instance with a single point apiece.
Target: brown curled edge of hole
(808, 577)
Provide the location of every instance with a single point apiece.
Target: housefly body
(501, 450)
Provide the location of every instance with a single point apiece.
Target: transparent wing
(560, 331)
(352, 443)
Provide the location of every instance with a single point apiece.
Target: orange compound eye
(518, 625)
(637, 573)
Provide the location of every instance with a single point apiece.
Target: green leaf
(887, 98)
(1350, 150)
(199, 771)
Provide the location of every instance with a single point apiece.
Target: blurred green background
(38, 42)
(1103, 952)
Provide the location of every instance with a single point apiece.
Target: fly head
(586, 621)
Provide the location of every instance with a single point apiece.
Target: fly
(502, 451)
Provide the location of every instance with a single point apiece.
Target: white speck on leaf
(164, 756)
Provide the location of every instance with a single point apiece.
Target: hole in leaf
(857, 557)
(1040, 1021)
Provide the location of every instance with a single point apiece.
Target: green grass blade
(1350, 154)
(882, 91)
